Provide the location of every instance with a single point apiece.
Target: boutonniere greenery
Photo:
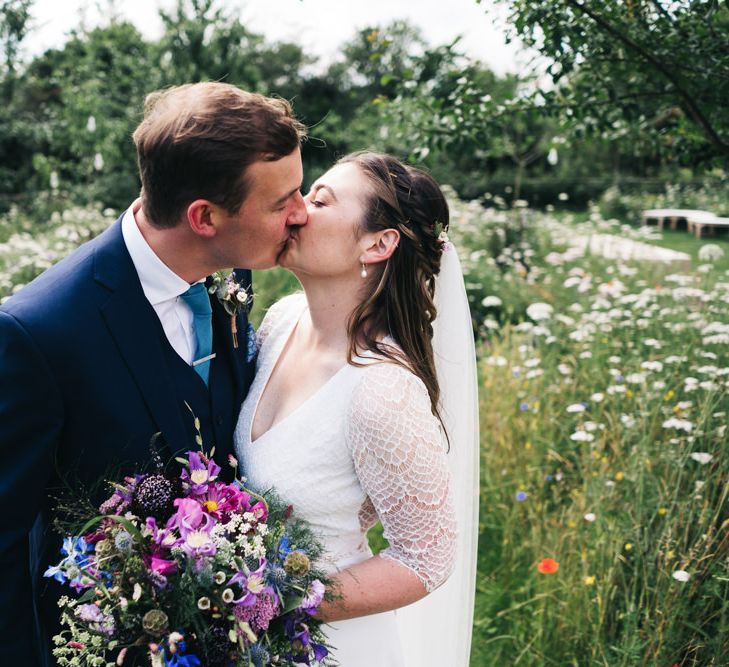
(233, 297)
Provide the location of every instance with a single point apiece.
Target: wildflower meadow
(603, 389)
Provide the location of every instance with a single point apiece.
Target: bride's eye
(318, 203)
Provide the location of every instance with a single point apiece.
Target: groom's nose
(298, 215)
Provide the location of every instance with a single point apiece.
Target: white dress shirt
(162, 287)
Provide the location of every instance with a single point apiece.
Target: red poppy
(548, 566)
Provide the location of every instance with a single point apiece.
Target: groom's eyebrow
(281, 200)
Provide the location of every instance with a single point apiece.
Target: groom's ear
(200, 217)
(379, 246)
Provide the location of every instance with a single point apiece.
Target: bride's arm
(399, 455)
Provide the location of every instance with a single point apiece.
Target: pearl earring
(363, 273)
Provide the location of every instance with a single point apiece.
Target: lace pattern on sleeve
(399, 455)
(275, 314)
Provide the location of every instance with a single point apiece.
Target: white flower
(54, 181)
(491, 302)
(563, 196)
(597, 398)
(552, 156)
(203, 603)
(635, 378)
(539, 311)
(496, 360)
(98, 162)
(701, 457)
(576, 407)
(91, 124)
(681, 575)
(582, 436)
(678, 424)
(690, 384)
(616, 389)
(652, 366)
(590, 517)
(228, 596)
(627, 420)
(710, 252)
(137, 592)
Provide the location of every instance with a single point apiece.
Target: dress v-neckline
(269, 372)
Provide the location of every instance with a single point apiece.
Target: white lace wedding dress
(364, 447)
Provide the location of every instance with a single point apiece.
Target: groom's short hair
(197, 140)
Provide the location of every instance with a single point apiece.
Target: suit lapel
(138, 334)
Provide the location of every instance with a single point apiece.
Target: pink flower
(160, 565)
(222, 499)
(194, 526)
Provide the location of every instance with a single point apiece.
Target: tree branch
(691, 107)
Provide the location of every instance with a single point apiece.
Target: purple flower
(260, 613)
(200, 474)
(521, 495)
(90, 613)
(252, 584)
(523, 406)
(314, 596)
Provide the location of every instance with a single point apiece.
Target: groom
(107, 347)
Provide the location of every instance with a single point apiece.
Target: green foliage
(649, 71)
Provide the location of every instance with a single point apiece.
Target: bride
(360, 413)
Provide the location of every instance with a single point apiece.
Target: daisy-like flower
(582, 436)
(681, 575)
(701, 457)
(590, 517)
(577, 407)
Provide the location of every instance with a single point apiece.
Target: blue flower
(524, 406)
(521, 495)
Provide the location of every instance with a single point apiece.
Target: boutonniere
(232, 296)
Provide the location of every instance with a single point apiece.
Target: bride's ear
(380, 246)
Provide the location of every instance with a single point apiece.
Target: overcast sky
(321, 26)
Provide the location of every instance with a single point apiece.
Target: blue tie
(199, 302)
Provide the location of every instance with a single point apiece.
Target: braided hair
(399, 292)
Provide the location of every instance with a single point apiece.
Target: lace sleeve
(399, 455)
(275, 314)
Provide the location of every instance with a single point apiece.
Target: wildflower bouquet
(187, 570)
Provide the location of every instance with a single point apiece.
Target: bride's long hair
(399, 291)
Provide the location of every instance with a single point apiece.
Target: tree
(657, 67)
(14, 24)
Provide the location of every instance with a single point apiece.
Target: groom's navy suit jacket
(87, 376)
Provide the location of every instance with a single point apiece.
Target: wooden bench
(673, 215)
(711, 225)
